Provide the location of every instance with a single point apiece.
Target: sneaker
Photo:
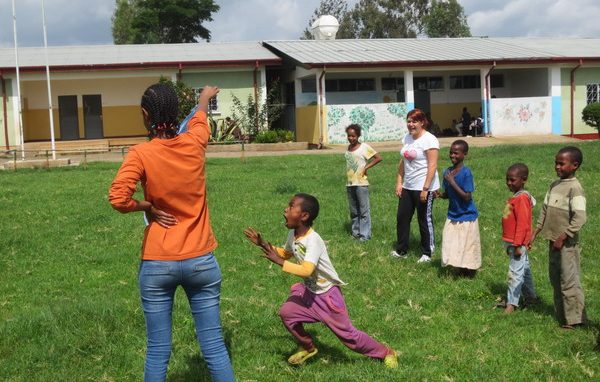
(391, 359)
(398, 255)
(401, 255)
(424, 259)
(301, 356)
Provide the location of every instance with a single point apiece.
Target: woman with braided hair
(178, 243)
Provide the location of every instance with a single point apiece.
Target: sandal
(391, 359)
(301, 356)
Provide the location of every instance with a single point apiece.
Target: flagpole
(22, 138)
(48, 83)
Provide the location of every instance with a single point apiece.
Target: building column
(16, 115)
(554, 90)
(409, 91)
(321, 105)
(263, 85)
(485, 100)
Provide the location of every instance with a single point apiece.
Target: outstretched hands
(269, 251)
(255, 237)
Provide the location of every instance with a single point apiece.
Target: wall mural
(379, 122)
(521, 116)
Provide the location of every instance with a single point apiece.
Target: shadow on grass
(197, 369)
(595, 328)
(348, 227)
(542, 307)
(332, 352)
(453, 272)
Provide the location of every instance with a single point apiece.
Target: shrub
(274, 136)
(591, 115)
(267, 136)
(285, 136)
(254, 115)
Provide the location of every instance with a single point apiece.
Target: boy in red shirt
(516, 235)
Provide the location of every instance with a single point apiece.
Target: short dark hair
(574, 153)
(310, 205)
(357, 129)
(161, 104)
(462, 143)
(520, 168)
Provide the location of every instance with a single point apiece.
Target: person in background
(319, 298)
(461, 245)
(516, 237)
(562, 216)
(360, 157)
(178, 243)
(416, 182)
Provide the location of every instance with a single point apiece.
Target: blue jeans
(360, 211)
(200, 277)
(520, 278)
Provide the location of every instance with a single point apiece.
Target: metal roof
(410, 51)
(139, 55)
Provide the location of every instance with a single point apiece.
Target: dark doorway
(92, 116)
(423, 101)
(67, 114)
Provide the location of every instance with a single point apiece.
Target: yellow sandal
(301, 356)
(391, 359)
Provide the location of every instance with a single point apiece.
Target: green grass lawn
(69, 302)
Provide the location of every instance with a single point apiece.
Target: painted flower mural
(380, 122)
(519, 116)
(524, 114)
(364, 117)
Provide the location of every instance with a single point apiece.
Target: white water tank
(325, 28)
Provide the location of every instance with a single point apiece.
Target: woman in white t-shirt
(415, 185)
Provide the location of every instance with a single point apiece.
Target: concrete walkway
(117, 155)
(395, 145)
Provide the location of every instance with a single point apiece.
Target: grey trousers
(564, 270)
(360, 211)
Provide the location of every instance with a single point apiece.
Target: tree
(388, 18)
(254, 115)
(395, 18)
(122, 19)
(161, 21)
(446, 18)
(337, 9)
(591, 115)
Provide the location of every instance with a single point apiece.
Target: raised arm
(207, 93)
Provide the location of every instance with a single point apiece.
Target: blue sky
(85, 22)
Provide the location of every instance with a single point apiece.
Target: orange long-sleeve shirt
(172, 173)
(516, 220)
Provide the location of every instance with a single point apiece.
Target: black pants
(408, 202)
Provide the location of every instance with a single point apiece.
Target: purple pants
(304, 306)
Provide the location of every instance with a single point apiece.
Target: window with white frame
(593, 93)
(213, 103)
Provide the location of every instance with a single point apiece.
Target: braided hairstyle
(160, 102)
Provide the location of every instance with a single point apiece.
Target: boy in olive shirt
(561, 218)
